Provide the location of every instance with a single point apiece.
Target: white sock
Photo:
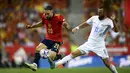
(64, 60)
(113, 69)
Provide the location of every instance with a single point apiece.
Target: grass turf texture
(63, 70)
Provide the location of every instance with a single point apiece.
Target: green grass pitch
(63, 70)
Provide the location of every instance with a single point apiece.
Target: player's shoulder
(108, 19)
(59, 15)
(43, 16)
(95, 16)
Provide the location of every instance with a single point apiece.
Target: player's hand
(113, 16)
(28, 26)
(74, 30)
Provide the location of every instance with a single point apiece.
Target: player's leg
(36, 57)
(107, 62)
(83, 49)
(55, 48)
(54, 56)
(104, 56)
(74, 54)
(109, 65)
(51, 57)
(53, 53)
(59, 56)
(40, 47)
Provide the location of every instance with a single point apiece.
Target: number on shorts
(56, 45)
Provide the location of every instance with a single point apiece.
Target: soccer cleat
(52, 64)
(32, 66)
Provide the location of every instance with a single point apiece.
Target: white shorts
(98, 49)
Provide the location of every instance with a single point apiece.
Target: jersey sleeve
(111, 23)
(108, 22)
(61, 19)
(90, 20)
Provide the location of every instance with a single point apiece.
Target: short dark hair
(48, 8)
(107, 5)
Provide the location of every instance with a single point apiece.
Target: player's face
(100, 12)
(48, 14)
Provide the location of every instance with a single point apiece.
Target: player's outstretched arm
(38, 24)
(116, 29)
(80, 26)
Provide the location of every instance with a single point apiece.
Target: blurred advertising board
(91, 61)
(83, 61)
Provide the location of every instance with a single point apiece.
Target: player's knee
(40, 47)
(37, 49)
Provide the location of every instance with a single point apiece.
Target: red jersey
(54, 27)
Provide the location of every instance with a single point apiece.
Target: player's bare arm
(82, 25)
(115, 26)
(66, 25)
(114, 23)
(38, 24)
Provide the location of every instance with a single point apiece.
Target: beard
(101, 17)
(48, 17)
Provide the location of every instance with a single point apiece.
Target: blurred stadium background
(17, 44)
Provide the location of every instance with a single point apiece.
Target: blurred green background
(64, 70)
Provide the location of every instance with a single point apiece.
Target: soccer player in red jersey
(48, 48)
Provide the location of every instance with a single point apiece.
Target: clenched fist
(28, 26)
(113, 16)
(75, 29)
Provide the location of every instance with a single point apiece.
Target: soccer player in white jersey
(101, 24)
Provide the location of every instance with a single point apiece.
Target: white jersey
(99, 27)
(96, 38)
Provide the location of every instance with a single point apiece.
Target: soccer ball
(44, 53)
